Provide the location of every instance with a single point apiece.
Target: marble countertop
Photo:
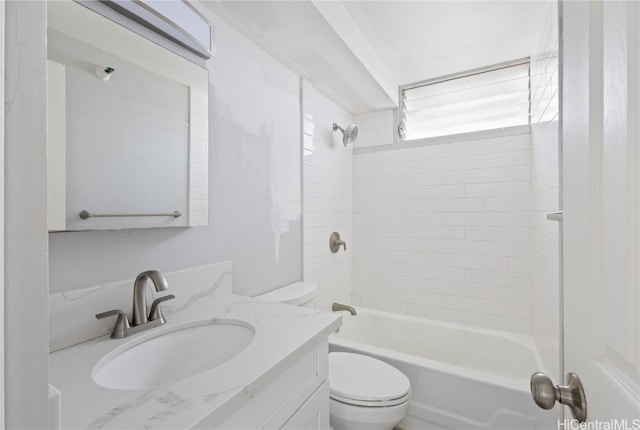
(280, 331)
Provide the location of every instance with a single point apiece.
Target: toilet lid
(361, 380)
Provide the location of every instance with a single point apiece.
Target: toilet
(365, 393)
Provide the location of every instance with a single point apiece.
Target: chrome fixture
(545, 394)
(155, 313)
(139, 294)
(555, 216)
(140, 320)
(122, 323)
(335, 242)
(349, 135)
(85, 214)
(337, 307)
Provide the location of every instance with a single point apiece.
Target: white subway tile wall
(454, 231)
(444, 231)
(545, 234)
(327, 198)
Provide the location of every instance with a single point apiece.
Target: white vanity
(128, 146)
(274, 376)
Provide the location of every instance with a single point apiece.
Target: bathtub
(461, 377)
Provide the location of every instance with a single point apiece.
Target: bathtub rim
(518, 384)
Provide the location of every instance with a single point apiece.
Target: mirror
(127, 136)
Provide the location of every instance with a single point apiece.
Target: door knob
(545, 394)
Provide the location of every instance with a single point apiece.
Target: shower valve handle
(335, 242)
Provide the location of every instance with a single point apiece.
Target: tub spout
(336, 307)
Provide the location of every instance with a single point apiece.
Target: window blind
(484, 100)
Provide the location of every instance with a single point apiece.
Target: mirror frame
(76, 20)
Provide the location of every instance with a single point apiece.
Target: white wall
(442, 231)
(254, 183)
(327, 186)
(545, 195)
(26, 334)
(376, 128)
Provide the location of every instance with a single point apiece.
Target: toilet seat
(360, 380)
(371, 404)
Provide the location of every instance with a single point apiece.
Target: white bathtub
(461, 377)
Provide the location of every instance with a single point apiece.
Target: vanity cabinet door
(313, 414)
(281, 394)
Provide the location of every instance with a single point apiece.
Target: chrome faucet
(140, 297)
(336, 307)
(141, 321)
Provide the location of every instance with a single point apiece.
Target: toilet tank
(298, 294)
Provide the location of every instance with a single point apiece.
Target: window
(485, 99)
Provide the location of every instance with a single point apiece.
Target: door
(2, 185)
(601, 196)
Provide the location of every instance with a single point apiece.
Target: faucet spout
(336, 307)
(139, 296)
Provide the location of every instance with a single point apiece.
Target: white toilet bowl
(362, 418)
(366, 393)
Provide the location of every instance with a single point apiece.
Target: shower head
(348, 135)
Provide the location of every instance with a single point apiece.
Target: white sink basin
(173, 356)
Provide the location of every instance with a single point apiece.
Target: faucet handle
(335, 242)
(122, 323)
(155, 312)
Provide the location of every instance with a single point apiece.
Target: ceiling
(358, 52)
(420, 40)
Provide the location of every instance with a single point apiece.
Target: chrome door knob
(546, 394)
(543, 390)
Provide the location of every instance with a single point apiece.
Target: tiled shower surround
(443, 230)
(545, 196)
(327, 198)
(450, 228)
